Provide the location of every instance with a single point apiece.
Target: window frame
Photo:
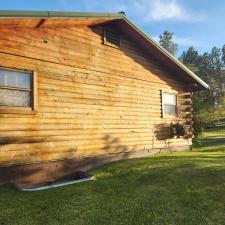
(163, 104)
(33, 90)
(109, 43)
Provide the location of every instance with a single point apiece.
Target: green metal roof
(121, 15)
(54, 14)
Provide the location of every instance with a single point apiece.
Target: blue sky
(198, 23)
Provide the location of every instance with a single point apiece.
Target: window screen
(169, 104)
(15, 88)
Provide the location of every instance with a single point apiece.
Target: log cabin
(78, 90)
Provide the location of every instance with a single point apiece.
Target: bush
(203, 121)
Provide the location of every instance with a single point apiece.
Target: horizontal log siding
(92, 99)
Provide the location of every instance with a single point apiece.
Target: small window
(111, 37)
(169, 104)
(16, 88)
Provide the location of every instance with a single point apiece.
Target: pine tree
(166, 41)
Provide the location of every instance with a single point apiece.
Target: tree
(166, 41)
(218, 65)
(210, 67)
(191, 56)
(191, 59)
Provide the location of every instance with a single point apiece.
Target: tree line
(208, 105)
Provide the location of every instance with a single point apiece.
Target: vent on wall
(112, 37)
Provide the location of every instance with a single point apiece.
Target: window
(169, 104)
(17, 88)
(111, 37)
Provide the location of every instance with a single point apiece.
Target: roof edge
(56, 14)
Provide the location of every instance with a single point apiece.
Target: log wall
(92, 99)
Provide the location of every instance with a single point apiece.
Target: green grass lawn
(173, 188)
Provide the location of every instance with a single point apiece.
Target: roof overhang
(36, 19)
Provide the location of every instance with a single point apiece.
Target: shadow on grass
(210, 144)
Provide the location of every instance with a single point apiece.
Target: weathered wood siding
(92, 99)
